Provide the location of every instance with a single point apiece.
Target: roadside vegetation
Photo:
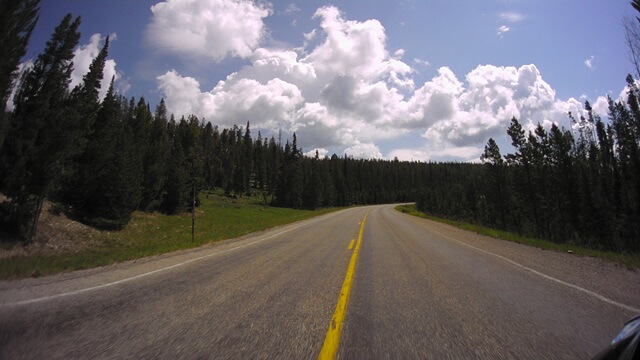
(128, 174)
(631, 261)
(219, 217)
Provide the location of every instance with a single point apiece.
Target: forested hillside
(581, 187)
(101, 160)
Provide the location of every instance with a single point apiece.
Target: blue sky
(422, 80)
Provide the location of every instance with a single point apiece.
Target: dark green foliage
(176, 186)
(17, 20)
(156, 151)
(290, 185)
(583, 191)
(496, 200)
(186, 165)
(246, 162)
(82, 108)
(102, 161)
(110, 169)
(40, 136)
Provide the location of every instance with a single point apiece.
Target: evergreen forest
(99, 161)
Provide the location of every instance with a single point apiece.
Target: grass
(217, 218)
(631, 261)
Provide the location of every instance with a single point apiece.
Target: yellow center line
(351, 244)
(332, 340)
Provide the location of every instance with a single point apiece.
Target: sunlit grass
(631, 261)
(217, 218)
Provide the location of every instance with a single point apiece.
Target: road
(418, 289)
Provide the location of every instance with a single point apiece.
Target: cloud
(22, 67)
(82, 58)
(346, 92)
(438, 153)
(268, 106)
(322, 153)
(291, 9)
(351, 47)
(310, 35)
(512, 17)
(502, 30)
(211, 29)
(601, 106)
(589, 63)
(421, 62)
(349, 75)
(492, 97)
(364, 151)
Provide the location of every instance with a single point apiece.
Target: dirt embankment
(56, 234)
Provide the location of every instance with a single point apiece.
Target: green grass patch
(631, 261)
(217, 218)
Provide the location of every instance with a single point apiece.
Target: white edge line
(573, 286)
(113, 283)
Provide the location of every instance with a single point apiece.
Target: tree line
(101, 160)
(580, 186)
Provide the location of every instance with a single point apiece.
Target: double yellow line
(332, 339)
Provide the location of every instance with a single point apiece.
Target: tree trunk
(36, 219)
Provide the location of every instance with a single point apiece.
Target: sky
(418, 80)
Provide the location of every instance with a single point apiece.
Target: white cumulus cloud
(364, 151)
(322, 153)
(212, 29)
(513, 17)
(421, 62)
(502, 30)
(438, 153)
(589, 63)
(22, 68)
(347, 92)
(291, 9)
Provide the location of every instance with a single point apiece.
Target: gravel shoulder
(598, 275)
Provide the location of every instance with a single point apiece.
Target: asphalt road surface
(417, 289)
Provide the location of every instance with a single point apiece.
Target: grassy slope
(217, 218)
(631, 261)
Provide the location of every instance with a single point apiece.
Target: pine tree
(313, 189)
(156, 157)
(17, 20)
(83, 105)
(139, 120)
(228, 154)
(192, 143)
(274, 168)
(209, 156)
(176, 187)
(35, 149)
(562, 182)
(290, 186)
(110, 170)
(497, 183)
(185, 172)
(247, 160)
(85, 95)
(260, 149)
(522, 161)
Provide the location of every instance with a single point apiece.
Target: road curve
(420, 290)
